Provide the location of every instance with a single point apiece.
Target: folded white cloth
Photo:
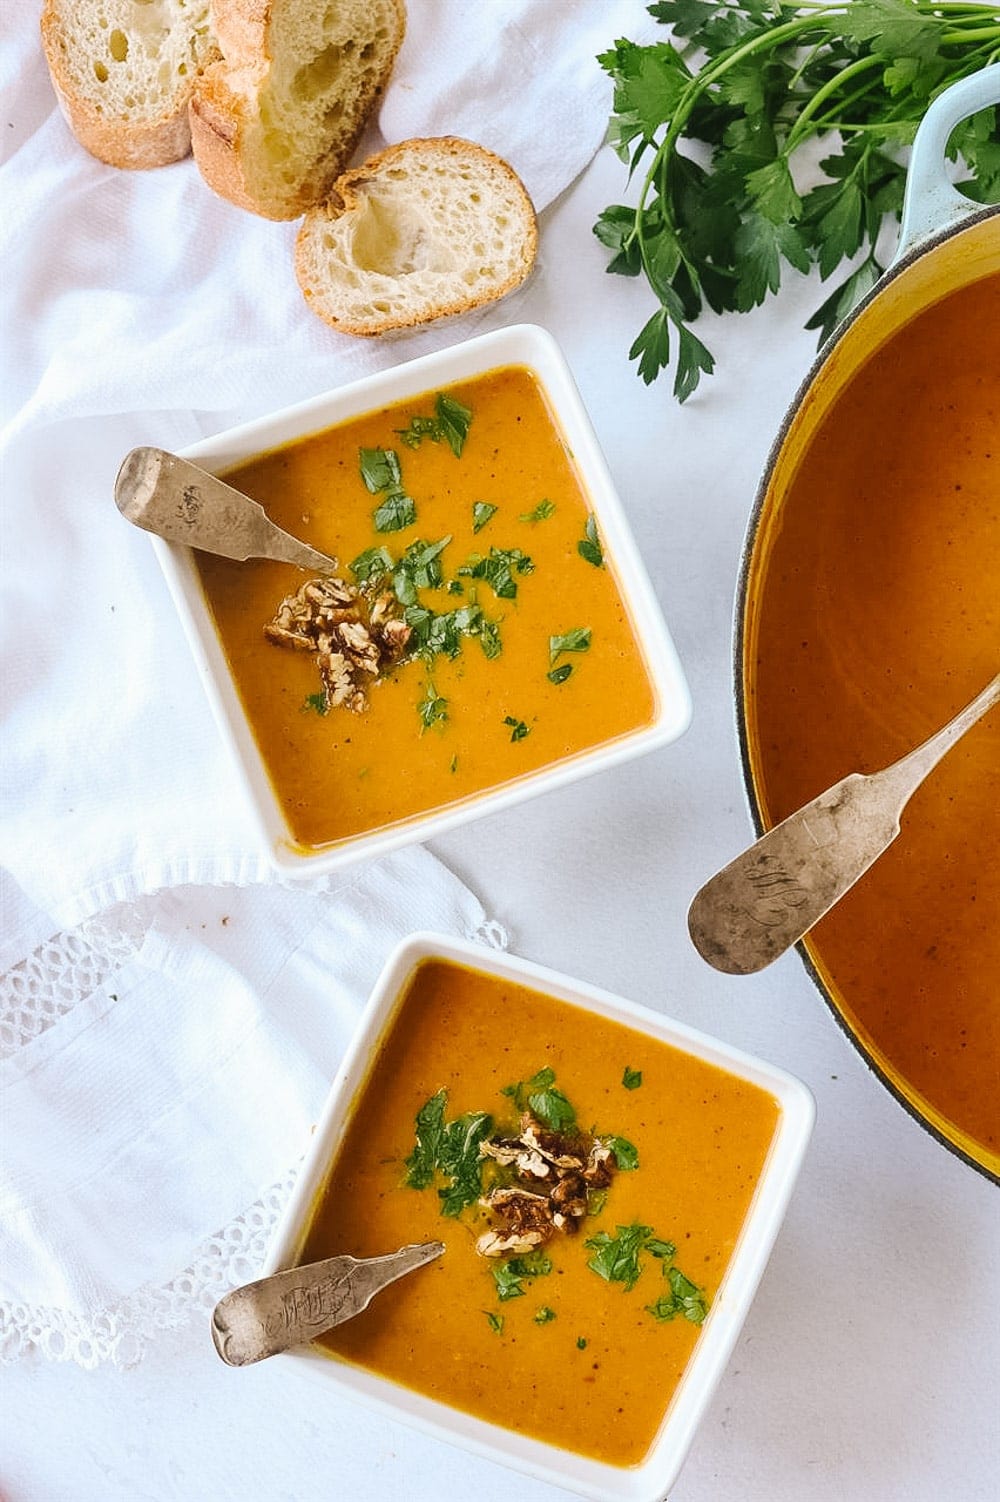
(164, 1064)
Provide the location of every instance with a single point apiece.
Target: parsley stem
(802, 128)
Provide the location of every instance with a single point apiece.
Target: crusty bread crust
(224, 104)
(136, 144)
(347, 197)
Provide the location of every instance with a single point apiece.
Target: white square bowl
(649, 1480)
(522, 344)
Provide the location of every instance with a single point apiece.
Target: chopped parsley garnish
(396, 512)
(450, 422)
(380, 470)
(581, 1343)
(495, 1321)
(684, 1298)
(459, 1160)
(489, 639)
(481, 513)
(518, 729)
(371, 565)
(451, 1149)
(541, 513)
(544, 1315)
(544, 1101)
(433, 632)
(419, 568)
(508, 1283)
(318, 703)
(632, 1078)
(560, 674)
(454, 764)
(589, 546)
(577, 640)
(497, 569)
(432, 709)
(616, 1258)
(422, 1162)
(626, 1154)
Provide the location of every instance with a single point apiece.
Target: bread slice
(277, 119)
(425, 229)
(124, 71)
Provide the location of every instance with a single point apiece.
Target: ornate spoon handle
(293, 1307)
(178, 500)
(767, 898)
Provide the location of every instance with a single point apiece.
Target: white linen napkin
(164, 1062)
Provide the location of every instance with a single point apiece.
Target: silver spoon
(290, 1308)
(176, 499)
(767, 898)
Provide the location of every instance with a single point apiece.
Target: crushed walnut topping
(327, 617)
(553, 1173)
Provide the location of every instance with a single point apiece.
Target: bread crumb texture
(124, 71)
(425, 229)
(276, 120)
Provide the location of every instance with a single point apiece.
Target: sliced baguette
(424, 230)
(124, 71)
(276, 120)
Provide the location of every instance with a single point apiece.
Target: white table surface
(868, 1366)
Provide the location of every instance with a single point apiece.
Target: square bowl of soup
(490, 631)
(607, 1184)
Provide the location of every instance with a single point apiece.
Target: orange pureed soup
(546, 663)
(541, 1343)
(877, 618)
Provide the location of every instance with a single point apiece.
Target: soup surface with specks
(877, 619)
(572, 1359)
(438, 729)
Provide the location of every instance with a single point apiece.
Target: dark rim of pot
(976, 216)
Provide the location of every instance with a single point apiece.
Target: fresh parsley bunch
(719, 124)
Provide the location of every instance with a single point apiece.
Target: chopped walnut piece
(327, 617)
(553, 1173)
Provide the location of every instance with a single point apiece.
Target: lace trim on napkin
(56, 977)
(119, 1334)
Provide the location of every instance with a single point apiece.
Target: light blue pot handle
(931, 202)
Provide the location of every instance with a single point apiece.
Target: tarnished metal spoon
(291, 1308)
(767, 898)
(178, 500)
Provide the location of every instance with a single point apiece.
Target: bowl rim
(517, 344)
(649, 1479)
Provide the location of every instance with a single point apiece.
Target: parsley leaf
(544, 1315)
(459, 1160)
(451, 422)
(626, 1154)
(589, 546)
(507, 1282)
(559, 675)
(545, 1102)
(454, 421)
(371, 566)
(577, 640)
(495, 1321)
(396, 512)
(481, 513)
(581, 1343)
(498, 570)
(508, 1276)
(541, 513)
(616, 1258)
(318, 703)
(518, 728)
(380, 469)
(432, 709)
(419, 568)
(684, 1298)
(422, 1162)
(632, 1078)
